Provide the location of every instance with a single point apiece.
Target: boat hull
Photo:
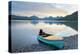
(55, 43)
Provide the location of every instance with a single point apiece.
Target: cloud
(41, 9)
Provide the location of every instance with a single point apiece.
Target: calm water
(25, 32)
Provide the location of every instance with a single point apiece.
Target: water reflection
(52, 27)
(25, 32)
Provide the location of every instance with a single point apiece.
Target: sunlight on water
(56, 29)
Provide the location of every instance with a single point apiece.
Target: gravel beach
(70, 43)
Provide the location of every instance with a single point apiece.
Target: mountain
(34, 18)
(14, 17)
(48, 18)
(73, 16)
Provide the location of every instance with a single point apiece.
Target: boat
(55, 42)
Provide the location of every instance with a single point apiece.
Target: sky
(42, 9)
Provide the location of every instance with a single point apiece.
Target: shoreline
(70, 43)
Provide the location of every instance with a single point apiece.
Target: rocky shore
(70, 43)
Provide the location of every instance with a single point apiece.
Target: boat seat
(53, 38)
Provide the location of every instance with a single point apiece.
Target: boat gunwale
(49, 40)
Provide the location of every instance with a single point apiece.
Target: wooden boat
(56, 41)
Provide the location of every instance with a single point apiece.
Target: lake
(25, 32)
